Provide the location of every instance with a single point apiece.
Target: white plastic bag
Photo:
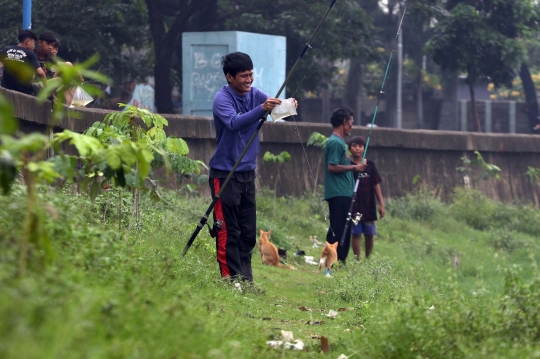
(285, 109)
(81, 98)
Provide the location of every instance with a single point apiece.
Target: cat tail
(285, 266)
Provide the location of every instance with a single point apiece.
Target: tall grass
(113, 293)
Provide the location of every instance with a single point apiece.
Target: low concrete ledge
(192, 127)
(400, 155)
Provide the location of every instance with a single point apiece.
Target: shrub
(473, 208)
(422, 205)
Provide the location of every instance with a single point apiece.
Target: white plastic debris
(342, 356)
(275, 343)
(316, 243)
(297, 345)
(332, 314)
(432, 307)
(309, 260)
(238, 287)
(285, 109)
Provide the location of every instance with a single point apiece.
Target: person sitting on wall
(21, 65)
(47, 60)
(49, 45)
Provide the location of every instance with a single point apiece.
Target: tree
(346, 34)
(167, 20)
(481, 39)
(106, 27)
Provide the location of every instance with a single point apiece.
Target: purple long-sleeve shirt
(235, 118)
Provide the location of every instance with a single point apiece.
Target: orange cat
(269, 252)
(328, 257)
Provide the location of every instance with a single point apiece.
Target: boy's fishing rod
(204, 218)
(381, 93)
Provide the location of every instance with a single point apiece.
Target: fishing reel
(215, 228)
(357, 217)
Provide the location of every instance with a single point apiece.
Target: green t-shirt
(337, 184)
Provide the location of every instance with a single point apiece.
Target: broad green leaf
(127, 154)
(113, 158)
(33, 142)
(8, 124)
(269, 157)
(94, 190)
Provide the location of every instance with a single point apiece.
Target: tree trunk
(352, 97)
(162, 67)
(187, 16)
(531, 101)
(162, 74)
(476, 119)
(419, 102)
(448, 119)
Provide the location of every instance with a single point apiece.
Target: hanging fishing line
(381, 93)
(301, 81)
(325, 212)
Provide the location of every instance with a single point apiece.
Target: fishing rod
(381, 93)
(204, 218)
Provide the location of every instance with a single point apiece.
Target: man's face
(241, 83)
(347, 126)
(45, 46)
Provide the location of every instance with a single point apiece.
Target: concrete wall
(400, 155)
(202, 73)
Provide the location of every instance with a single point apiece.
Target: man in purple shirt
(237, 110)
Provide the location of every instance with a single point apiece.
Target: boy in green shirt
(338, 179)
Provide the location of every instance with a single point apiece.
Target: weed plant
(114, 293)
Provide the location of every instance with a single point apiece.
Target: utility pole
(399, 80)
(27, 14)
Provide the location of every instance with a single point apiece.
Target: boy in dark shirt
(47, 61)
(368, 188)
(21, 64)
(49, 45)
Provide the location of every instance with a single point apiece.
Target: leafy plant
(134, 144)
(473, 208)
(281, 158)
(317, 139)
(534, 175)
(420, 205)
(487, 169)
(24, 155)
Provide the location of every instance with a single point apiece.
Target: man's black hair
(56, 44)
(236, 62)
(47, 36)
(340, 114)
(357, 140)
(26, 34)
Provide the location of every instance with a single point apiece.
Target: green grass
(111, 293)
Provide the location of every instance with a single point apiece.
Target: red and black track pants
(237, 209)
